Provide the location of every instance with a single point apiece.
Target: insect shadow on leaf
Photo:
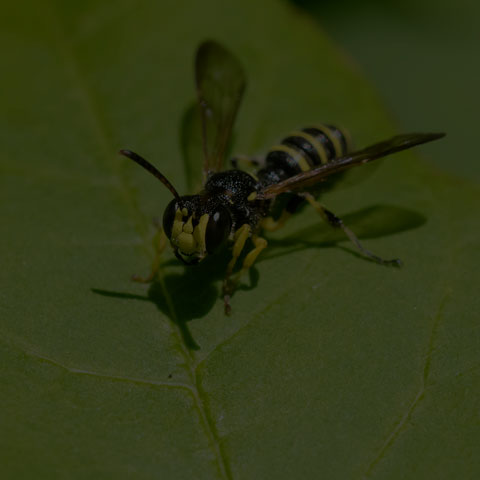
(184, 294)
(376, 221)
(193, 292)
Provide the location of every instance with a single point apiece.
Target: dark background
(423, 58)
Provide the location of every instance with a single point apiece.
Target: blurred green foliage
(423, 57)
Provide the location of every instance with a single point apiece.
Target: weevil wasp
(235, 206)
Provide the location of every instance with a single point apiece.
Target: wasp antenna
(150, 168)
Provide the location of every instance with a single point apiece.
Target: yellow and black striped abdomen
(307, 148)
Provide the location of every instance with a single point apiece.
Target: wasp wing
(192, 148)
(306, 180)
(220, 82)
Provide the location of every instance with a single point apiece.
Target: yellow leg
(260, 244)
(229, 285)
(241, 236)
(271, 225)
(336, 222)
(159, 243)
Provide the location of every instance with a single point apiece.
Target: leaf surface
(330, 364)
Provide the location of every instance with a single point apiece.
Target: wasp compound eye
(218, 229)
(169, 217)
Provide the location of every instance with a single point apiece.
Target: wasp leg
(260, 244)
(336, 222)
(159, 244)
(241, 236)
(271, 225)
(229, 286)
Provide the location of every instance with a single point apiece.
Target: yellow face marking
(188, 226)
(177, 228)
(296, 155)
(188, 239)
(186, 243)
(252, 196)
(335, 141)
(199, 233)
(319, 148)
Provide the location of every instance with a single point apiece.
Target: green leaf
(330, 366)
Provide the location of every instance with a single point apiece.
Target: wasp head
(196, 224)
(195, 227)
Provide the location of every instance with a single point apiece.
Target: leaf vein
(394, 434)
(101, 131)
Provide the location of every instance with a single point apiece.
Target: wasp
(235, 206)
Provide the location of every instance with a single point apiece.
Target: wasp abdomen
(303, 150)
(331, 141)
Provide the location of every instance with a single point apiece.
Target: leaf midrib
(140, 222)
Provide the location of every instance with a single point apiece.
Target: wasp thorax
(194, 232)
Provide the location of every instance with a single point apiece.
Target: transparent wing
(306, 180)
(192, 148)
(220, 82)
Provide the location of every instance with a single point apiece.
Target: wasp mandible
(235, 206)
